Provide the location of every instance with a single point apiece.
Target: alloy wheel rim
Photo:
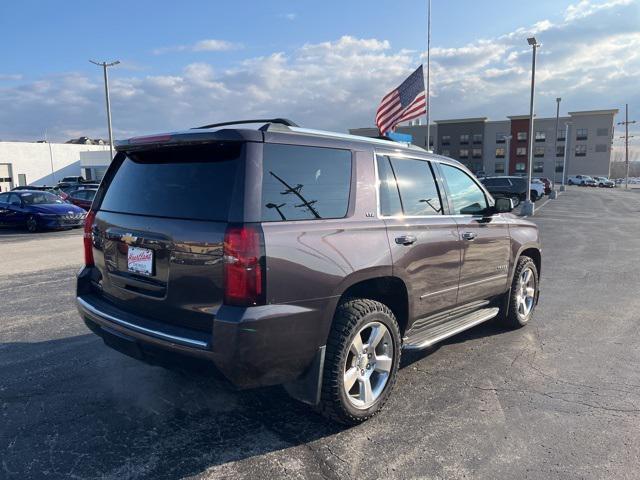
(368, 365)
(525, 293)
(31, 224)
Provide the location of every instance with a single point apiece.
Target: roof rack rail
(280, 121)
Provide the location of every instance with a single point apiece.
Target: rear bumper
(251, 347)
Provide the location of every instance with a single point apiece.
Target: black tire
(534, 196)
(350, 317)
(32, 224)
(510, 316)
(570, 182)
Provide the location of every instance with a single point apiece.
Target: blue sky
(326, 64)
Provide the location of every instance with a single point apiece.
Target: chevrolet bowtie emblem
(128, 238)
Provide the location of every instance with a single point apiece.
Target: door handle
(469, 236)
(405, 240)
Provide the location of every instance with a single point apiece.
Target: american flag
(406, 102)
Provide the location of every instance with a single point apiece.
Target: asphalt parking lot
(557, 399)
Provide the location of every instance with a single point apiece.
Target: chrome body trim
(464, 285)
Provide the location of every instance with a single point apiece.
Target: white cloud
(207, 45)
(10, 76)
(288, 16)
(591, 59)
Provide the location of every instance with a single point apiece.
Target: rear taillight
(88, 241)
(242, 266)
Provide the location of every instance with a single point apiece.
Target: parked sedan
(604, 182)
(83, 197)
(36, 210)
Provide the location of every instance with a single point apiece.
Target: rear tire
(523, 295)
(32, 224)
(534, 196)
(358, 378)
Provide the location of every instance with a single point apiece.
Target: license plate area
(140, 261)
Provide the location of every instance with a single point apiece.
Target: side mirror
(504, 205)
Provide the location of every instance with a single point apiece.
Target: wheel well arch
(533, 254)
(388, 290)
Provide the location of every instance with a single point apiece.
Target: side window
(466, 195)
(304, 183)
(14, 199)
(4, 198)
(418, 190)
(388, 188)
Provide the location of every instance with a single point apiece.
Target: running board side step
(425, 337)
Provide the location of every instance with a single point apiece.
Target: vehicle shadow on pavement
(74, 407)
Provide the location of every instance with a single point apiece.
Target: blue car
(35, 209)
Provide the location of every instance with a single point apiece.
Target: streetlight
(554, 192)
(567, 147)
(507, 139)
(104, 66)
(528, 208)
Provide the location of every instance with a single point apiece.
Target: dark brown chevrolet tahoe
(290, 256)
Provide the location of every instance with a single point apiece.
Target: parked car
(539, 186)
(43, 188)
(604, 182)
(82, 197)
(69, 187)
(513, 187)
(548, 184)
(267, 253)
(73, 179)
(35, 210)
(582, 180)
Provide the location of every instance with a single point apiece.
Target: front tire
(361, 361)
(523, 295)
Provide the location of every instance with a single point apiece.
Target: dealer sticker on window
(140, 260)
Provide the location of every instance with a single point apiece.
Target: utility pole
(626, 143)
(528, 207)
(104, 66)
(428, 96)
(554, 192)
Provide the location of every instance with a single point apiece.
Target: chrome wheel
(368, 365)
(525, 293)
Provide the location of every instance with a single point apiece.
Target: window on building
(315, 188)
(499, 168)
(446, 140)
(538, 151)
(538, 167)
(581, 150)
(476, 153)
(466, 196)
(581, 134)
(464, 139)
(561, 135)
(446, 153)
(22, 179)
(500, 152)
(560, 151)
(522, 136)
(418, 190)
(559, 167)
(521, 166)
(464, 153)
(521, 151)
(541, 136)
(477, 138)
(500, 137)
(602, 132)
(601, 147)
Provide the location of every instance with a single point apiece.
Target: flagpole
(427, 104)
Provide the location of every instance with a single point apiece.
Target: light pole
(528, 208)
(104, 66)
(507, 139)
(554, 192)
(567, 147)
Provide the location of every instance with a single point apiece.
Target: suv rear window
(191, 182)
(304, 183)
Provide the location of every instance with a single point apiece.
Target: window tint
(4, 198)
(304, 183)
(37, 198)
(194, 182)
(418, 189)
(466, 195)
(389, 197)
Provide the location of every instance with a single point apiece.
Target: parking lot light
(528, 207)
(104, 66)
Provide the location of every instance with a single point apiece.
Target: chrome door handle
(405, 240)
(469, 236)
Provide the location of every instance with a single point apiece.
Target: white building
(27, 163)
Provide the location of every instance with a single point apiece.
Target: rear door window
(191, 182)
(418, 189)
(467, 197)
(304, 183)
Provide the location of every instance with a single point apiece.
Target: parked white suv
(583, 180)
